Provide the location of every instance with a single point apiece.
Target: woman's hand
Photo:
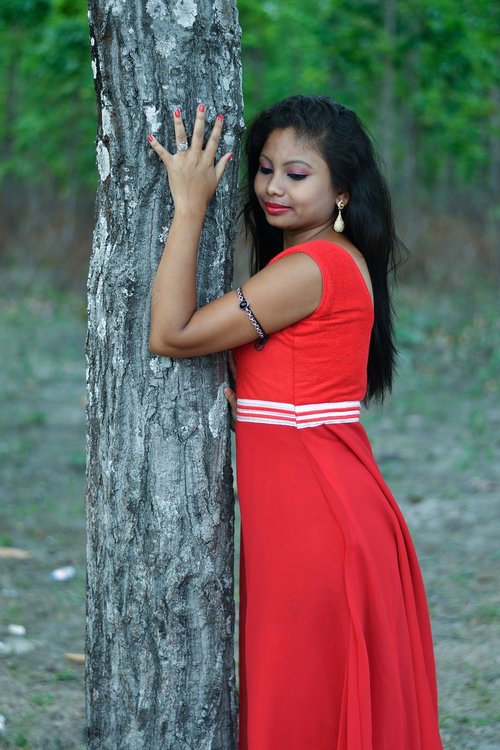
(229, 393)
(231, 397)
(193, 175)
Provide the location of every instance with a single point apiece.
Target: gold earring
(339, 221)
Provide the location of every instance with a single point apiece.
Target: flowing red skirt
(335, 642)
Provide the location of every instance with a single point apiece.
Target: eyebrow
(291, 161)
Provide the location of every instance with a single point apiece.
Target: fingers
(181, 140)
(198, 138)
(221, 165)
(231, 364)
(215, 136)
(199, 128)
(231, 397)
(160, 150)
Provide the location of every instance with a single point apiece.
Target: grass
(41, 510)
(436, 438)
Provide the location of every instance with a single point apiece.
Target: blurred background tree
(47, 134)
(424, 77)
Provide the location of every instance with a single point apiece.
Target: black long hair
(340, 138)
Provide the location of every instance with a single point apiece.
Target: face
(294, 187)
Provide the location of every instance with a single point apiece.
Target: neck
(290, 239)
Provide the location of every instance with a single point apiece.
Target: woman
(336, 649)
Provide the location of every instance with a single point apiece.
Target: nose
(275, 186)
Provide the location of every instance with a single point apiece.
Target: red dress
(335, 641)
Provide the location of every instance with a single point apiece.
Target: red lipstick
(275, 209)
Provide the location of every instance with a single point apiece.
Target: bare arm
(280, 295)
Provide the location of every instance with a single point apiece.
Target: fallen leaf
(78, 658)
(13, 553)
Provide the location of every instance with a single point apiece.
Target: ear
(342, 195)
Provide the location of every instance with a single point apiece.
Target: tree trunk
(160, 666)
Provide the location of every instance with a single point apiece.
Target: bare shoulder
(287, 290)
(294, 273)
(299, 261)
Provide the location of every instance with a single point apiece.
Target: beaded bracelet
(253, 320)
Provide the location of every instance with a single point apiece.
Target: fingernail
(150, 138)
(219, 118)
(230, 156)
(177, 113)
(201, 108)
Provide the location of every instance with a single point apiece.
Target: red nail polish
(219, 118)
(201, 107)
(230, 156)
(177, 113)
(150, 138)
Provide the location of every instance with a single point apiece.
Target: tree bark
(160, 612)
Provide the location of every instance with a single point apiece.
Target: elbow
(159, 347)
(169, 341)
(164, 348)
(158, 341)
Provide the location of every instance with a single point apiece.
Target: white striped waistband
(290, 415)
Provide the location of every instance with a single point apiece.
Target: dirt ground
(437, 441)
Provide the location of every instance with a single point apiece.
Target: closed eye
(265, 170)
(296, 177)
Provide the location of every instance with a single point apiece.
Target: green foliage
(424, 76)
(434, 63)
(47, 112)
(22, 15)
